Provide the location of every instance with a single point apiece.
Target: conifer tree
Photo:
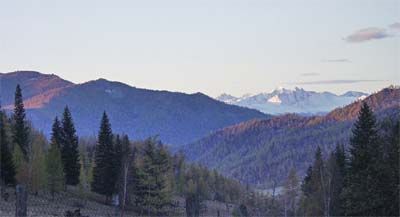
(164, 182)
(56, 133)
(365, 190)
(314, 188)
(153, 190)
(7, 176)
(20, 128)
(306, 188)
(337, 175)
(118, 154)
(69, 150)
(145, 178)
(390, 131)
(104, 170)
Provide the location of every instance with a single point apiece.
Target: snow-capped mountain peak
(275, 99)
(297, 100)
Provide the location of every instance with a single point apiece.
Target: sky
(209, 46)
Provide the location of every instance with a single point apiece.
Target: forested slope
(262, 151)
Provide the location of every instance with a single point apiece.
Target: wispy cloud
(367, 34)
(395, 26)
(345, 81)
(310, 74)
(336, 61)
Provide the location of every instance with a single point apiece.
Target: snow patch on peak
(362, 97)
(275, 99)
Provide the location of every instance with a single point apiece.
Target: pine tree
(118, 155)
(55, 168)
(337, 175)
(164, 181)
(365, 190)
(152, 184)
(104, 170)
(390, 131)
(56, 133)
(20, 128)
(314, 188)
(69, 150)
(7, 176)
(148, 188)
(306, 189)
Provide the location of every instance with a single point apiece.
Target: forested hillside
(177, 118)
(261, 152)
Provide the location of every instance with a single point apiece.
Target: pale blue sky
(209, 46)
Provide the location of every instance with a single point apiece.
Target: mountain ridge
(177, 118)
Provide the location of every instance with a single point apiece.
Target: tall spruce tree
(154, 189)
(365, 189)
(56, 133)
(337, 175)
(55, 168)
(104, 170)
(318, 185)
(390, 131)
(69, 150)
(20, 128)
(306, 188)
(118, 154)
(7, 168)
(314, 188)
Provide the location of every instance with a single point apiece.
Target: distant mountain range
(260, 152)
(300, 101)
(177, 118)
